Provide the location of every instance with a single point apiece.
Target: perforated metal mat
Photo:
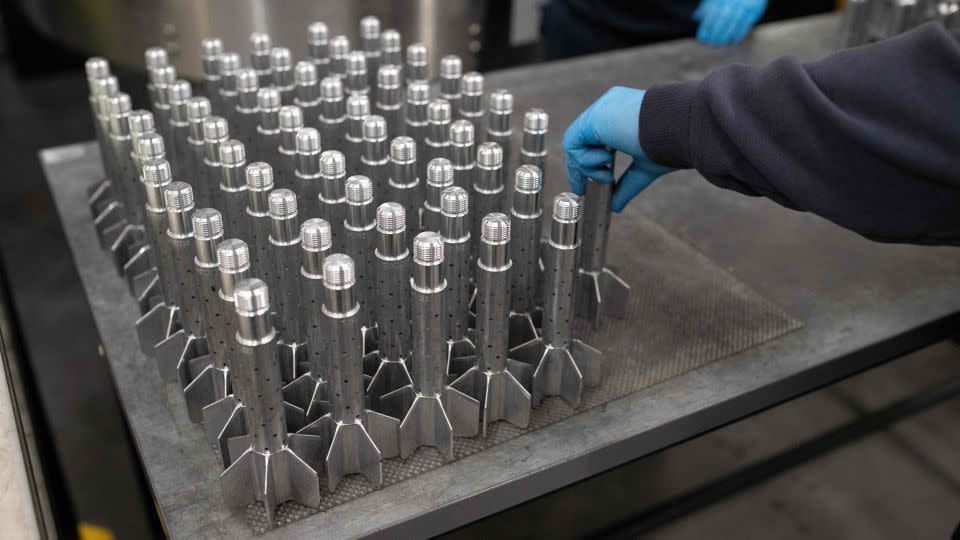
(684, 312)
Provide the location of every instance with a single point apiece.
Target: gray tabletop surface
(861, 303)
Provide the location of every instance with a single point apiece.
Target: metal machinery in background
(866, 21)
(121, 29)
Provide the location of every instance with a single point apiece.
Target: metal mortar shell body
(179, 130)
(596, 226)
(208, 286)
(343, 340)
(311, 286)
(525, 253)
(268, 137)
(333, 113)
(533, 149)
(287, 260)
(375, 161)
(464, 159)
(560, 273)
(361, 243)
(261, 250)
(404, 187)
(388, 102)
(255, 374)
(486, 198)
(493, 300)
(233, 202)
(198, 172)
(456, 259)
(429, 339)
(188, 296)
(247, 118)
(127, 178)
(393, 309)
(155, 224)
(353, 144)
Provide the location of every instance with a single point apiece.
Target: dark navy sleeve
(868, 138)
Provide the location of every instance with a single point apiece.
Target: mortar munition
(418, 66)
(439, 178)
(281, 63)
(333, 111)
(533, 150)
(339, 48)
(286, 255)
(601, 292)
(359, 438)
(198, 110)
(332, 201)
(259, 177)
(233, 188)
(389, 99)
(140, 269)
(499, 126)
(153, 58)
(404, 185)
(556, 364)
(270, 466)
(178, 92)
(451, 71)
(215, 133)
(260, 46)
(307, 176)
(358, 108)
(463, 153)
(291, 122)
(356, 81)
(388, 365)
(105, 201)
(229, 67)
(317, 47)
(130, 237)
(376, 155)
(370, 44)
(97, 70)
(455, 230)
(308, 92)
(211, 383)
(501, 396)
(183, 355)
(487, 195)
(309, 392)
(415, 121)
(163, 319)
(268, 129)
(210, 51)
(360, 241)
(437, 140)
(141, 280)
(247, 115)
(161, 77)
(526, 217)
(391, 51)
(471, 99)
(432, 413)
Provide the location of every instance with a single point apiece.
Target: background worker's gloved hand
(725, 22)
(611, 124)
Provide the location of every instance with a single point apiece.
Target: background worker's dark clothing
(868, 138)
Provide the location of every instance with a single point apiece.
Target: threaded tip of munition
(391, 217)
(229, 63)
(388, 76)
(403, 150)
(105, 86)
(281, 59)
(472, 84)
(359, 190)
(370, 27)
(490, 155)
(331, 88)
(418, 92)
(282, 204)
(451, 67)
(305, 73)
(269, 98)
(179, 91)
(358, 106)
(118, 104)
(232, 153)
(428, 248)
(495, 228)
(308, 141)
(155, 57)
(260, 43)
(140, 122)
(339, 46)
(390, 41)
(215, 129)
(211, 47)
(207, 224)
(566, 207)
(374, 128)
(163, 75)
(150, 145)
(316, 235)
(198, 109)
(356, 63)
(156, 172)
(338, 271)
(234, 256)
(318, 33)
(333, 164)
(96, 67)
(440, 173)
(416, 54)
(461, 132)
(178, 196)
(439, 111)
(501, 101)
(536, 120)
(454, 202)
(259, 176)
(247, 80)
(528, 179)
(252, 297)
(291, 118)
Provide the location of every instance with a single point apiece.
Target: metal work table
(860, 303)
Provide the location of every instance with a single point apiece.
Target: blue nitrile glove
(611, 123)
(725, 22)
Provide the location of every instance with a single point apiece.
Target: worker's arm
(868, 138)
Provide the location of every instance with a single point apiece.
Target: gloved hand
(725, 22)
(611, 123)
